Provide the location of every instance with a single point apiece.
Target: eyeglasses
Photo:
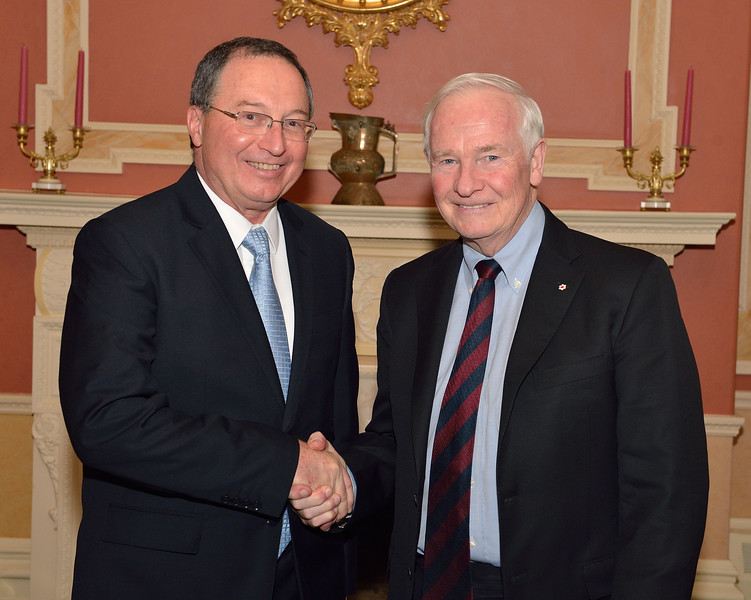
(258, 123)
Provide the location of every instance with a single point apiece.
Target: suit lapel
(433, 308)
(552, 287)
(301, 270)
(213, 248)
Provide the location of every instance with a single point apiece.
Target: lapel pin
(562, 287)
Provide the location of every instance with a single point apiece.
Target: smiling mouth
(472, 207)
(263, 166)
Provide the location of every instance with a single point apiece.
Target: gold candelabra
(656, 180)
(49, 162)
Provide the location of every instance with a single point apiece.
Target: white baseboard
(15, 568)
(739, 550)
(716, 580)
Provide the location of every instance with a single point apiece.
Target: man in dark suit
(584, 470)
(186, 392)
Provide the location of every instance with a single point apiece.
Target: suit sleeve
(120, 420)
(347, 373)
(372, 458)
(662, 455)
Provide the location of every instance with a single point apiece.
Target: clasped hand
(321, 492)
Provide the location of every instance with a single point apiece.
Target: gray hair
(531, 129)
(203, 88)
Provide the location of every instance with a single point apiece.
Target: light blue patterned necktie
(264, 291)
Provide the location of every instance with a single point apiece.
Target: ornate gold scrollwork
(362, 24)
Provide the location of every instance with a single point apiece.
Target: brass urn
(358, 164)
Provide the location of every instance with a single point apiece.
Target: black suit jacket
(172, 401)
(602, 466)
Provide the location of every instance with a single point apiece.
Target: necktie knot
(488, 269)
(257, 242)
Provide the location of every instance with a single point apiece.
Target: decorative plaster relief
(374, 260)
(52, 279)
(45, 397)
(46, 434)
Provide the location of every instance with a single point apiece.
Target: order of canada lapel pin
(562, 287)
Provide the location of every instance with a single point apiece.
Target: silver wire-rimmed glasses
(259, 123)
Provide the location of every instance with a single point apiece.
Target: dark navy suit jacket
(602, 462)
(172, 401)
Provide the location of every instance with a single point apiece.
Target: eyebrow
(439, 154)
(491, 147)
(259, 107)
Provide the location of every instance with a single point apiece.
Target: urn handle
(388, 131)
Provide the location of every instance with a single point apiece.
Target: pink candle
(627, 117)
(78, 121)
(686, 138)
(24, 91)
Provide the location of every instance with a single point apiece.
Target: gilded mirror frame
(362, 24)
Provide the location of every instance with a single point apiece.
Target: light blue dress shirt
(516, 258)
(237, 227)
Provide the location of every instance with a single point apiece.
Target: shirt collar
(238, 226)
(516, 258)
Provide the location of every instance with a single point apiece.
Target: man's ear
(195, 125)
(537, 163)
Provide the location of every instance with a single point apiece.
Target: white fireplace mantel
(664, 233)
(382, 238)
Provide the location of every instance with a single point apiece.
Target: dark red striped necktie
(447, 575)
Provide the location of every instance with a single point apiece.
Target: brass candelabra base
(656, 181)
(49, 162)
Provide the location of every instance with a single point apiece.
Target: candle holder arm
(656, 181)
(78, 135)
(22, 137)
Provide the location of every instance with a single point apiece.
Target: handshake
(322, 493)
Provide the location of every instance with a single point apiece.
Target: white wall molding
(15, 568)
(742, 367)
(739, 552)
(716, 580)
(15, 404)
(743, 400)
(723, 425)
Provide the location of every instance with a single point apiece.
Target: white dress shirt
(238, 227)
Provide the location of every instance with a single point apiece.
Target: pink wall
(17, 293)
(570, 56)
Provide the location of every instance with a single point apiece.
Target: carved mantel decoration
(362, 24)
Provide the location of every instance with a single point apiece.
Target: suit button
(409, 572)
(415, 500)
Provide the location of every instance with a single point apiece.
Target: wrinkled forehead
(478, 118)
(485, 103)
(262, 81)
